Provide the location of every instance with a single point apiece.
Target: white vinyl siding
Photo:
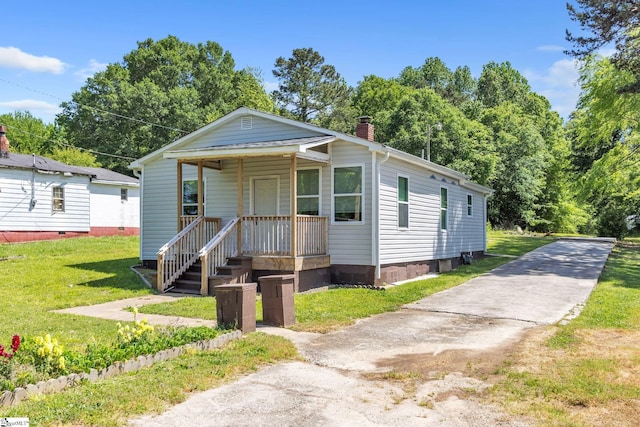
(261, 130)
(108, 209)
(26, 202)
(424, 241)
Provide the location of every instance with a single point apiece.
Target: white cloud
(94, 66)
(559, 84)
(550, 48)
(12, 57)
(43, 110)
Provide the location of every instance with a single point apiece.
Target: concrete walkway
(334, 386)
(117, 310)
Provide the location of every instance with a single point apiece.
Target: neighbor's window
(124, 194)
(347, 193)
(308, 187)
(469, 205)
(403, 202)
(443, 208)
(190, 197)
(58, 199)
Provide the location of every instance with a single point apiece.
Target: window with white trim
(308, 189)
(403, 202)
(190, 197)
(57, 199)
(347, 193)
(444, 202)
(469, 205)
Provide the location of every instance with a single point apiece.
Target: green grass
(42, 276)
(154, 389)
(505, 243)
(587, 362)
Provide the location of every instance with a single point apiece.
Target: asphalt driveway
(333, 388)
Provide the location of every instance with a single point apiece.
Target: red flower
(15, 343)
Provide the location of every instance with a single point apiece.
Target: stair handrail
(179, 253)
(216, 252)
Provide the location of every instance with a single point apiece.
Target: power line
(69, 145)
(121, 116)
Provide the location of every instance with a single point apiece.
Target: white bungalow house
(282, 196)
(42, 199)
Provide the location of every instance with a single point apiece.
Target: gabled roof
(289, 146)
(244, 111)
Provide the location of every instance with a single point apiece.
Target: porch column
(240, 206)
(200, 190)
(179, 192)
(294, 207)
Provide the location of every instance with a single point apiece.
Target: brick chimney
(364, 129)
(4, 142)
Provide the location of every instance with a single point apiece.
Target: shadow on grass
(623, 265)
(119, 274)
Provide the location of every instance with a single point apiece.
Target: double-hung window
(444, 201)
(347, 194)
(308, 188)
(403, 202)
(469, 205)
(57, 201)
(124, 194)
(190, 197)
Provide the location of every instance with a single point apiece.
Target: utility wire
(121, 116)
(69, 145)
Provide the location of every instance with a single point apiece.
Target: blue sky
(48, 49)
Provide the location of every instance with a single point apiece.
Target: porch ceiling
(299, 147)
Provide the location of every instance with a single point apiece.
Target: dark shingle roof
(29, 161)
(109, 175)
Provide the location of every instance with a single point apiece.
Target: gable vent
(246, 123)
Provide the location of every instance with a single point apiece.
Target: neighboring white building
(41, 198)
(355, 210)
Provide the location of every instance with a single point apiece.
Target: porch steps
(237, 270)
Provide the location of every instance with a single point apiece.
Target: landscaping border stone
(54, 385)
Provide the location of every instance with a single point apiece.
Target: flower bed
(39, 365)
(10, 398)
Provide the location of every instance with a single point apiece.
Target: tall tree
(307, 86)
(605, 133)
(606, 22)
(161, 91)
(28, 134)
(500, 83)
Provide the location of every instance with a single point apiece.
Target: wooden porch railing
(271, 235)
(216, 252)
(181, 252)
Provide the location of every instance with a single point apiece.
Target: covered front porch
(293, 242)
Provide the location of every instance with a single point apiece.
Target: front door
(265, 196)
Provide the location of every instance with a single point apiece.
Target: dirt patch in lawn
(467, 375)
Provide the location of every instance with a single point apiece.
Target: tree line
(548, 176)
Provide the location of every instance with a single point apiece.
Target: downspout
(375, 236)
(140, 175)
(33, 201)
